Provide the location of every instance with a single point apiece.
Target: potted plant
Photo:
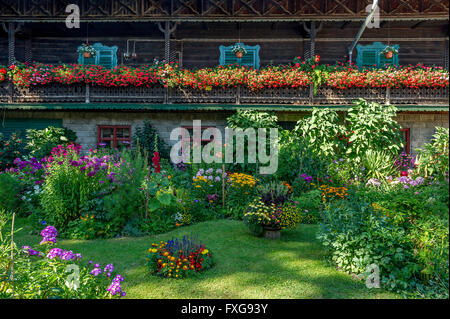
(273, 211)
(87, 50)
(389, 52)
(238, 50)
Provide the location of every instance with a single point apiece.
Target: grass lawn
(246, 266)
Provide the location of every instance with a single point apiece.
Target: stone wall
(421, 124)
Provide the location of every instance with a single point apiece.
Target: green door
(9, 126)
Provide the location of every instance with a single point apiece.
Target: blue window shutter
(370, 55)
(106, 56)
(251, 58)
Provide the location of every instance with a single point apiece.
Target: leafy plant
(321, 131)
(149, 140)
(40, 143)
(372, 126)
(433, 159)
(378, 164)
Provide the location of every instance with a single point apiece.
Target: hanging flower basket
(238, 50)
(389, 52)
(87, 50)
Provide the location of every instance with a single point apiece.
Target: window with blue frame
(251, 58)
(371, 56)
(105, 56)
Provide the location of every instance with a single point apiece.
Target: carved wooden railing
(240, 95)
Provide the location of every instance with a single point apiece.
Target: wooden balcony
(304, 96)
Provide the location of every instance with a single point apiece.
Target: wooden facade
(191, 32)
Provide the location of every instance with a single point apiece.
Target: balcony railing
(11, 94)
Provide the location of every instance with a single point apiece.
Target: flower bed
(51, 272)
(283, 76)
(179, 258)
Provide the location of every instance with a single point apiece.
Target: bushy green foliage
(296, 157)
(65, 192)
(433, 159)
(10, 149)
(245, 119)
(41, 142)
(149, 140)
(321, 131)
(378, 164)
(372, 126)
(10, 197)
(310, 205)
(404, 231)
(36, 276)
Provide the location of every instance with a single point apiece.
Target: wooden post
(11, 30)
(12, 253)
(167, 30)
(223, 185)
(312, 34)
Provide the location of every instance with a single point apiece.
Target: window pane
(122, 132)
(107, 132)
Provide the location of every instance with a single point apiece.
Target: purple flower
(96, 271)
(118, 278)
(67, 255)
(48, 240)
(114, 288)
(54, 252)
(49, 231)
(109, 268)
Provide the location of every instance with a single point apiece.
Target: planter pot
(388, 55)
(87, 54)
(271, 233)
(239, 55)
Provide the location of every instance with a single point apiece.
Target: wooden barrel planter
(271, 233)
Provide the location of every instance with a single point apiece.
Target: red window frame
(407, 134)
(114, 139)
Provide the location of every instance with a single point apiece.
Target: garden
(345, 211)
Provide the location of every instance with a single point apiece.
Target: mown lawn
(246, 267)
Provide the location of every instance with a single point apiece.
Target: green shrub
(321, 131)
(433, 159)
(46, 273)
(10, 197)
(40, 143)
(378, 164)
(245, 119)
(310, 205)
(372, 126)
(149, 140)
(10, 149)
(296, 157)
(404, 231)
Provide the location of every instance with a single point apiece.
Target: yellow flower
(204, 252)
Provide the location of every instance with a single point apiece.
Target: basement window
(114, 136)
